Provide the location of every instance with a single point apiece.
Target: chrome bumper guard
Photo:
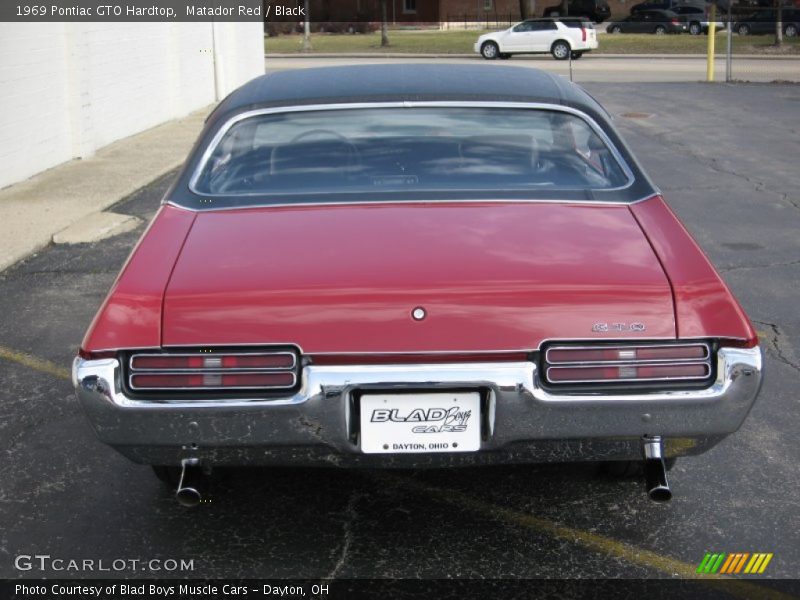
(518, 411)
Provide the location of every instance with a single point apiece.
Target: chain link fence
(476, 21)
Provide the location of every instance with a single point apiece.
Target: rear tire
(695, 28)
(560, 50)
(615, 29)
(791, 31)
(576, 55)
(743, 29)
(490, 50)
(660, 30)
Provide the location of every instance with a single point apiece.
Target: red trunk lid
(345, 279)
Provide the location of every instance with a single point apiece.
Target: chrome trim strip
(633, 346)
(102, 377)
(223, 130)
(418, 201)
(630, 379)
(211, 369)
(229, 388)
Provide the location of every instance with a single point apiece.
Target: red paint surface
(344, 279)
(704, 306)
(130, 316)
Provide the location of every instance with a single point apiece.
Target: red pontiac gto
(414, 265)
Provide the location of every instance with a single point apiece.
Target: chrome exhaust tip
(655, 471)
(189, 492)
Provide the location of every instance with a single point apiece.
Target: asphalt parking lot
(726, 158)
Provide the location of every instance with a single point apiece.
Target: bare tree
(523, 9)
(384, 26)
(779, 23)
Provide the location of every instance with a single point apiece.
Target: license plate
(416, 423)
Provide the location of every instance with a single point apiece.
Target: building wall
(424, 11)
(71, 88)
(479, 7)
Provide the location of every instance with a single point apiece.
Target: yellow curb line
(743, 589)
(33, 362)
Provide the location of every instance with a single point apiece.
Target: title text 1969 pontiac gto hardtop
(414, 265)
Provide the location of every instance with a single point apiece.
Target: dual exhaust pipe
(655, 471)
(190, 486)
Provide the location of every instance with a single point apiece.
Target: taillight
(583, 34)
(204, 371)
(675, 22)
(618, 363)
(226, 361)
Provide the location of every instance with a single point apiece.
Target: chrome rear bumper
(524, 422)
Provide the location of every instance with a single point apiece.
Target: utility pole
(779, 23)
(384, 26)
(307, 29)
(729, 49)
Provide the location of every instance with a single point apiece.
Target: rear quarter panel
(704, 306)
(130, 316)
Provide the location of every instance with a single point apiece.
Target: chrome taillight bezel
(548, 367)
(214, 373)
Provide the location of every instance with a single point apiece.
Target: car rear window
(409, 149)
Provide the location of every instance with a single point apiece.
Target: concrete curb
(32, 212)
(96, 227)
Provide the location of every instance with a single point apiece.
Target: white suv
(561, 37)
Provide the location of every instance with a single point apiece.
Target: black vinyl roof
(405, 82)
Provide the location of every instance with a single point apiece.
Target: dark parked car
(650, 21)
(696, 18)
(764, 22)
(653, 5)
(596, 10)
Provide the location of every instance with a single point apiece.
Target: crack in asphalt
(775, 344)
(347, 538)
(713, 164)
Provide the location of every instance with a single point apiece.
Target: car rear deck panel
(345, 279)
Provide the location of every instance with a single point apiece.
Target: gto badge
(617, 327)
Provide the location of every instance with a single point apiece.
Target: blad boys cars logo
(452, 420)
